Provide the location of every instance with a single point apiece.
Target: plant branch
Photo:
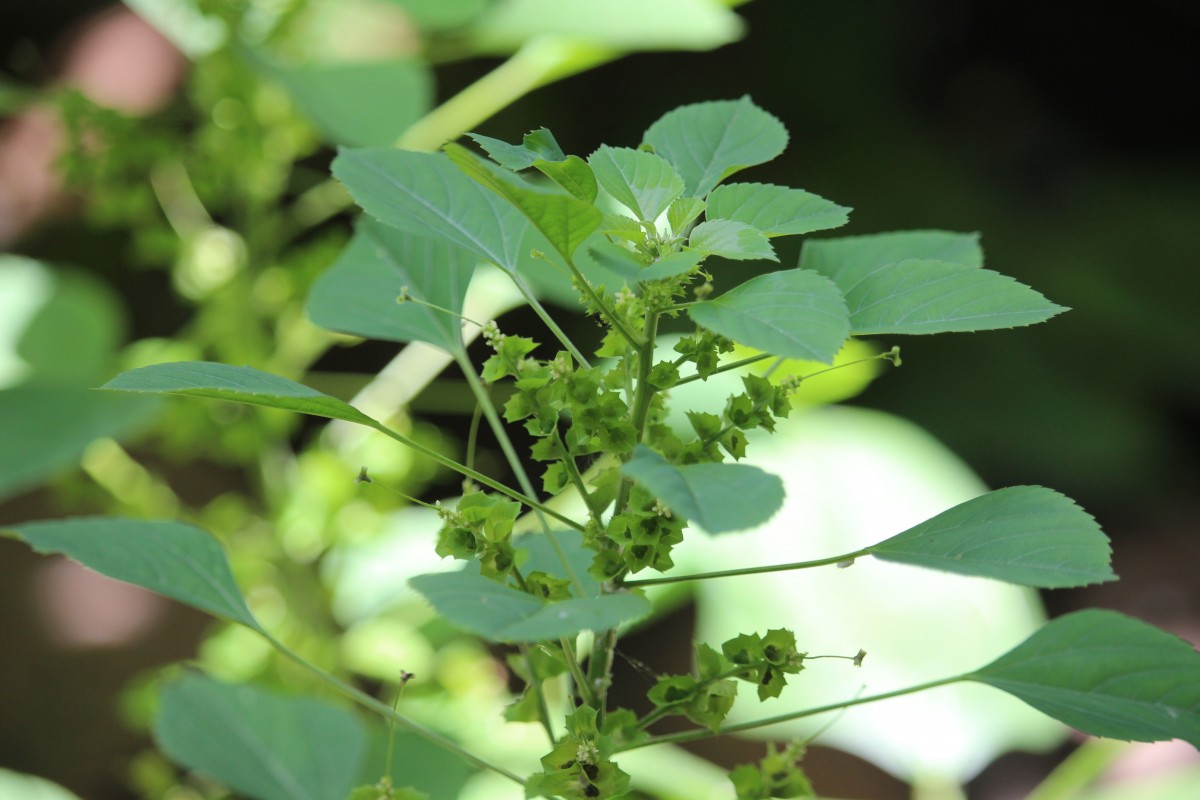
(705, 733)
(729, 573)
(541, 311)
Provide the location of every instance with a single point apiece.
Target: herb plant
(556, 561)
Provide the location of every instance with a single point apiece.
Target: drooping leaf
(1105, 674)
(701, 493)
(793, 313)
(358, 294)
(498, 613)
(708, 142)
(620, 24)
(361, 104)
(733, 240)
(259, 743)
(671, 265)
(563, 219)
(1027, 535)
(172, 558)
(424, 194)
(235, 384)
(848, 259)
(538, 145)
(775, 210)
(599, 254)
(643, 182)
(572, 174)
(923, 297)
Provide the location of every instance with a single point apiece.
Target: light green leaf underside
(501, 614)
(174, 559)
(564, 220)
(671, 265)
(733, 240)
(541, 557)
(357, 295)
(362, 104)
(708, 142)
(701, 493)
(793, 313)
(425, 195)
(775, 210)
(643, 182)
(620, 24)
(1107, 675)
(238, 385)
(848, 258)
(924, 297)
(258, 743)
(1028, 535)
(572, 174)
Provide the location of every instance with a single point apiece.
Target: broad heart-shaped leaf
(775, 210)
(1105, 674)
(717, 497)
(238, 385)
(793, 313)
(424, 194)
(172, 558)
(358, 294)
(501, 614)
(922, 297)
(563, 219)
(848, 259)
(708, 142)
(642, 182)
(733, 240)
(362, 104)
(1027, 535)
(261, 744)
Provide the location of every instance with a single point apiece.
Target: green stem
(577, 479)
(386, 711)
(705, 733)
(514, 462)
(584, 687)
(725, 368)
(478, 477)
(540, 310)
(1079, 770)
(729, 573)
(609, 314)
(539, 690)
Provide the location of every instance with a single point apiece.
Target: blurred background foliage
(192, 226)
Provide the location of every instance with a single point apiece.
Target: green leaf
(923, 297)
(438, 15)
(538, 145)
(734, 240)
(643, 182)
(171, 558)
(1107, 675)
(701, 493)
(682, 211)
(599, 255)
(363, 104)
(358, 294)
(416, 762)
(258, 743)
(572, 174)
(775, 210)
(1027, 535)
(792, 313)
(671, 265)
(848, 259)
(708, 142)
(621, 24)
(564, 220)
(15, 786)
(238, 385)
(541, 557)
(500, 614)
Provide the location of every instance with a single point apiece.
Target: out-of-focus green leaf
(358, 294)
(415, 762)
(701, 493)
(542, 557)
(733, 240)
(261, 744)
(708, 142)
(363, 104)
(619, 24)
(238, 385)
(171, 558)
(1028, 535)
(643, 182)
(500, 614)
(775, 210)
(1105, 674)
(848, 259)
(437, 15)
(671, 265)
(793, 313)
(194, 32)
(15, 786)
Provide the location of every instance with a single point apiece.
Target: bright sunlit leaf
(775, 210)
